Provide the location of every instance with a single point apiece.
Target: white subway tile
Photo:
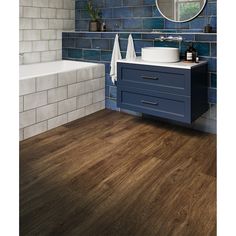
(59, 34)
(98, 95)
(30, 58)
(21, 134)
(40, 46)
(84, 100)
(46, 82)
(31, 12)
(26, 3)
(84, 74)
(67, 105)
(25, 46)
(56, 4)
(57, 94)
(21, 11)
(35, 100)
(59, 54)
(74, 115)
(63, 14)
(67, 78)
(35, 129)
(76, 89)
(69, 4)
(69, 25)
(55, 24)
(25, 23)
(27, 118)
(21, 104)
(40, 3)
(27, 86)
(48, 13)
(40, 23)
(21, 35)
(46, 112)
(102, 82)
(48, 56)
(57, 121)
(31, 35)
(99, 71)
(55, 44)
(72, 14)
(89, 86)
(48, 34)
(93, 108)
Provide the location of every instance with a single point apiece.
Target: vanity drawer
(162, 105)
(166, 80)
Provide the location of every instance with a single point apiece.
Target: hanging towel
(130, 54)
(116, 55)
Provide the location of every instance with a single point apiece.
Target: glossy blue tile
(153, 23)
(83, 43)
(212, 97)
(108, 81)
(100, 44)
(132, 2)
(138, 44)
(92, 55)
(106, 55)
(203, 49)
(113, 92)
(205, 37)
(144, 11)
(111, 104)
(213, 79)
(213, 50)
(122, 12)
(132, 23)
(74, 53)
(198, 23)
(107, 91)
(113, 3)
(68, 42)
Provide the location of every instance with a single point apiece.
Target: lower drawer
(164, 105)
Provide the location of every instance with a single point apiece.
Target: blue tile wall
(138, 17)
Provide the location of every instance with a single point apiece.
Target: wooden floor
(112, 174)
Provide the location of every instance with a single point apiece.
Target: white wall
(41, 26)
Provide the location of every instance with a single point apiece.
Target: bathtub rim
(58, 71)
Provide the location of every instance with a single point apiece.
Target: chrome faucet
(170, 39)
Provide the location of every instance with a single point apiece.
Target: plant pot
(94, 26)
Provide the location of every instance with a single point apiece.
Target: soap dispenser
(190, 53)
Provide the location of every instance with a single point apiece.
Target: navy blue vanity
(174, 91)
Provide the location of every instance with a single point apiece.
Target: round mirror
(180, 10)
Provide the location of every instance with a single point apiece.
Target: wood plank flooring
(112, 174)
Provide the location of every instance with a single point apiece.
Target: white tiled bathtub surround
(61, 92)
(41, 26)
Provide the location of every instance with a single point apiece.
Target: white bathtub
(48, 68)
(55, 93)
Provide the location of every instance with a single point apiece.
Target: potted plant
(94, 24)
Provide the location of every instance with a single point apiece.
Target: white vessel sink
(160, 54)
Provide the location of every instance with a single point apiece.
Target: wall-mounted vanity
(175, 91)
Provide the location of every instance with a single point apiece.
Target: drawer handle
(150, 78)
(150, 103)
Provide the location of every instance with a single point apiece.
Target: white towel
(130, 54)
(116, 55)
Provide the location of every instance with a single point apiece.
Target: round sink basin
(160, 54)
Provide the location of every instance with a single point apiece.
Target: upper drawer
(168, 80)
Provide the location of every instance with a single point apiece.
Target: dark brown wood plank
(115, 174)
